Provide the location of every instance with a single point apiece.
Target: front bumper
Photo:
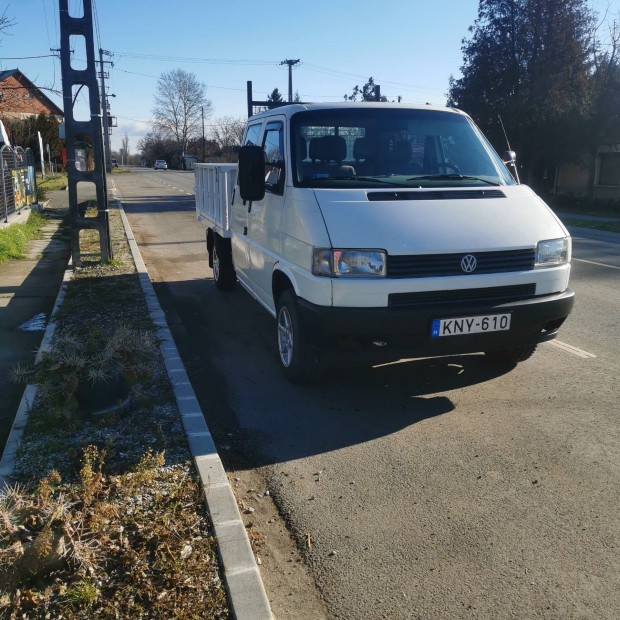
(396, 332)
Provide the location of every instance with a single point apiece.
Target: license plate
(470, 325)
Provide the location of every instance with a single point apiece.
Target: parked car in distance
(161, 164)
(115, 163)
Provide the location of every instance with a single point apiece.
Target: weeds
(605, 226)
(108, 520)
(78, 361)
(125, 544)
(50, 183)
(14, 238)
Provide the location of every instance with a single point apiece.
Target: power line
(96, 16)
(157, 77)
(27, 57)
(189, 59)
(49, 40)
(337, 73)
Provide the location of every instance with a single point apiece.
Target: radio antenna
(504, 130)
(512, 159)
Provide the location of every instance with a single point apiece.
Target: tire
(510, 357)
(223, 268)
(299, 361)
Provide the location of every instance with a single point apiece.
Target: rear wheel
(299, 361)
(510, 357)
(223, 268)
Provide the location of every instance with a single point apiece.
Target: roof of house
(20, 77)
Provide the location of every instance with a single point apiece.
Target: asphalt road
(425, 488)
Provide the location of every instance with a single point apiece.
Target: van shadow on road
(227, 343)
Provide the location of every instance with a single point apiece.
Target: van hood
(420, 221)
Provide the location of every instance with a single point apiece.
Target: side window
(251, 135)
(273, 146)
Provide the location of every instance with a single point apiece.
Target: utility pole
(104, 109)
(290, 64)
(76, 79)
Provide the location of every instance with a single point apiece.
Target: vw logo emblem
(469, 263)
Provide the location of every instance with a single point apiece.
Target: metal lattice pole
(92, 129)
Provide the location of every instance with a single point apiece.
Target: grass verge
(14, 238)
(50, 183)
(606, 226)
(106, 517)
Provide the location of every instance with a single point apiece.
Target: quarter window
(251, 136)
(273, 146)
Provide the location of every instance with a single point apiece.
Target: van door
(239, 223)
(265, 216)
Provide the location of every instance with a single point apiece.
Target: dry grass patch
(117, 546)
(106, 517)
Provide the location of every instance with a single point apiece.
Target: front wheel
(510, 357)
(299, 361)
(223, 269)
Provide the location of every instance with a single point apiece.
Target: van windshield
(366, 147)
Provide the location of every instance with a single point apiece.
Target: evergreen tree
(367, 92)
(275, 97)
(528, 61)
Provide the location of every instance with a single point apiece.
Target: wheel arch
(281, 280)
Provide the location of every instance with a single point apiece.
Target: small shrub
(73, 363)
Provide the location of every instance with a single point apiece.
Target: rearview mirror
(251, 172)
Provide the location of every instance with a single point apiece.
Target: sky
(410, 48)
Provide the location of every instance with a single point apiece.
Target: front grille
(437, 265)
(496, 294)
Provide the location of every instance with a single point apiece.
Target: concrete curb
(18, 218)
(247, 594)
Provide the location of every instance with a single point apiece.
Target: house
(20, 98)
(573, 179)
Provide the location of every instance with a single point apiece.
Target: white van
(383, 231)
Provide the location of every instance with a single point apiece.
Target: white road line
(591, 262)
(568, 348)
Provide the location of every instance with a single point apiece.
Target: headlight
(553, 252)
(348, 263)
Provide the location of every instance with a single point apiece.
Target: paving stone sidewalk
(28, 290)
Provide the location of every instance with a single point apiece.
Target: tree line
(550, 74)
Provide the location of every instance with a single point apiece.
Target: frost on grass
(106, 518)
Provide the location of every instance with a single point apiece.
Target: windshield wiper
(451, 177)
(355, 178)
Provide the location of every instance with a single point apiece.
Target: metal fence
(19, 181)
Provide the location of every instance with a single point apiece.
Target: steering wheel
(446, 166)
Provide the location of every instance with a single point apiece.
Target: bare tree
(125, 149)
(5, 23)
(179, 103)
(228, 131)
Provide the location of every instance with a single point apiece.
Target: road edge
(247, 594)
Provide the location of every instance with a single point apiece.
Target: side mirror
(251, 172)
(509, 157)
